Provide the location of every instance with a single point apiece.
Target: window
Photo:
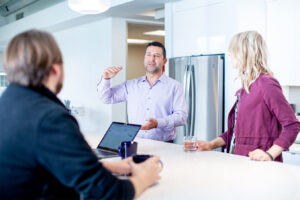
(3, 79)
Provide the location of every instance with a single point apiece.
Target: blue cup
(127, 149)
(139, 158)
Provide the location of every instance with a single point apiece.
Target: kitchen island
(214, 175)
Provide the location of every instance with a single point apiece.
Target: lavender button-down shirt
(164, 101)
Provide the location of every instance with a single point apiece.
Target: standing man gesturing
(154, 100)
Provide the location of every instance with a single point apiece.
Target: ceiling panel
(3, 2)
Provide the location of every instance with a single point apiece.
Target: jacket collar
(48, 93)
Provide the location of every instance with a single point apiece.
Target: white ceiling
(3, 2)
(136, 9)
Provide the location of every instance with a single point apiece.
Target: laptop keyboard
(101, 153)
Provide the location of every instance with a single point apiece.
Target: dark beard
(155, 71)
(58, 87)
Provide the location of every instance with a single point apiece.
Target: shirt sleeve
(179, 112)
(111, 95)
(62, 150)
(278, 105)
(225, 136)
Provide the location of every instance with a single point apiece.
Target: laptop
(116, 133)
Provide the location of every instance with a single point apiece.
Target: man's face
(154, 59)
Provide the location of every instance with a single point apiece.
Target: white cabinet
(283, 40)
(293, 155)
(291, 158)
(207, 26)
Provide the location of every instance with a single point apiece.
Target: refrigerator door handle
(220, 95)
(193, 100)
(186, 87)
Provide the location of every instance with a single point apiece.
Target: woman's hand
(207, 146)
(203, 146)
(259, 155)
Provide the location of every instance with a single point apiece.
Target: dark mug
(142, 157)
(127, 149)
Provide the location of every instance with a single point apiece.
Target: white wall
(206, 27)
(119, 52)
(88, 48)
(87, 51)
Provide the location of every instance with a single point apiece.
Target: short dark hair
(29, 57)
(158, 44)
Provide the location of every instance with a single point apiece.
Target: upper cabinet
(206, 26)
(283, 39)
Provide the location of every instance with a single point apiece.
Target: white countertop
(214, 175)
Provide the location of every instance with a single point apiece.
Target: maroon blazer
(264, 118)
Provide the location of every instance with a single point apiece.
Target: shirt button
(149, 98)
(148, 109)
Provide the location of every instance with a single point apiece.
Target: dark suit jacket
(43, 154)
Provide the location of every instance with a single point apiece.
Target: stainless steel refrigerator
(202, 78)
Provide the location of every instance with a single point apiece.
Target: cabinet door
(198, 27)
(283, 40)
(291, 158)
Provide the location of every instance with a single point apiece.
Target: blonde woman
(261, 124)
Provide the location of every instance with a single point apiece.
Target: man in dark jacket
(42, 151)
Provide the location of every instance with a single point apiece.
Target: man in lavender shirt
(155, 101)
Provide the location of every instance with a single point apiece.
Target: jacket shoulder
(266, 80)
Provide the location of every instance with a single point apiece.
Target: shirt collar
(162, 78)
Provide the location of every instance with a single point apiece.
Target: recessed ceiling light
(138, 41)
(89, 7)
(156, 33)
(150, 13)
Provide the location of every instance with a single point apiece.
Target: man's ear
(55, 68)
(165, 60)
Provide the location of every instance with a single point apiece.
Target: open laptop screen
(117, 133)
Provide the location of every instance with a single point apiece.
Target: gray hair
(29, 57)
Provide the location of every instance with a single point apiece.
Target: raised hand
(110, 72)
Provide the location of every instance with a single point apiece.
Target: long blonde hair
(250, 51)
